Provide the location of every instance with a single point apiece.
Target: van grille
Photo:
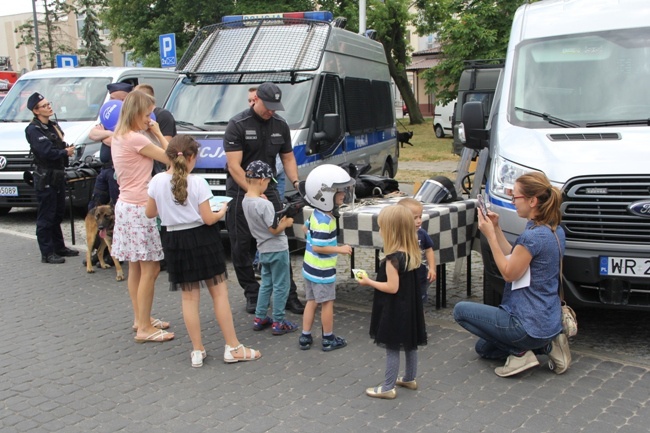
(18, 162)
(583, 137)
(595, 209)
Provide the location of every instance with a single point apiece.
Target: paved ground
(68, 363)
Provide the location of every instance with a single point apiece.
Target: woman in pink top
(136, 237)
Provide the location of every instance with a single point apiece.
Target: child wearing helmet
(327, 188)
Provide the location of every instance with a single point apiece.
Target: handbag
(569, 320)
(569, 317)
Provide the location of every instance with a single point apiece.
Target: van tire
(4, 210)
(440, 133)
(387, 171)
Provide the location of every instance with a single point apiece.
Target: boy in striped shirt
(326, 188)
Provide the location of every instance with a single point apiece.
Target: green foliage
(51, 39)
(389, 19)
(94, 52)
(467, 30)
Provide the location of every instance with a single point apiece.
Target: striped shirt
(320, 268)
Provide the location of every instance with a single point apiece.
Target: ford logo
(3, 162)
(640, 208)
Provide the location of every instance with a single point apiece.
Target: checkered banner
(451, 226)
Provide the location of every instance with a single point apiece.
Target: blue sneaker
(305, 341)
(261, 324)
(333, 343)
(284, 327)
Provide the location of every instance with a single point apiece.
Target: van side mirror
(331, 128)
(473, 126)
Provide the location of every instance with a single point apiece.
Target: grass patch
(426, 146)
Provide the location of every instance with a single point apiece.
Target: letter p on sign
(167, 50)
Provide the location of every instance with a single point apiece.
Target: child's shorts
(320, 292)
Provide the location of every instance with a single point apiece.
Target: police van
(336, 90)
(76, 95)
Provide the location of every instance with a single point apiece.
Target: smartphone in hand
(481, 205)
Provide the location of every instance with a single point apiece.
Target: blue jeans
(275, 278)
(500, 333)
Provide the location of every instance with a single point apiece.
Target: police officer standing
(51, 155)
(256, 134)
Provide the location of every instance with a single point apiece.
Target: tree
(94, 51)
(138, 23)
(52, 39)
(466, 30)
(389, 19)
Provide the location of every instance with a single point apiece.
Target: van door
(326, 132)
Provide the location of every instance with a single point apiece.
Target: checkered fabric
(451, 226)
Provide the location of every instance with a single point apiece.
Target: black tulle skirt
(195, 257)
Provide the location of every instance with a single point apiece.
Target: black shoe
(67, 252)
(251, 305)
(295, 306)
(53, 259)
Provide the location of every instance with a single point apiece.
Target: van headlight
(504, 175)
(461, 133)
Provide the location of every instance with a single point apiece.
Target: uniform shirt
(172, 213)
(257, 139)
(320, 268)
(46, 144)
(133, 170)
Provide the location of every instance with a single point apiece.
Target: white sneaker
(197, 357)
(559, 358)
(517, 364)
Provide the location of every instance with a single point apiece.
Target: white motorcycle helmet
(323, 183)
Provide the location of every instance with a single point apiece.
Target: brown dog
(99, 222)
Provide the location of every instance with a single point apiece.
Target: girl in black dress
(397, 321)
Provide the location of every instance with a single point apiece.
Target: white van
(443, 115)
(76, 94)
(573, 102)
(336, 90)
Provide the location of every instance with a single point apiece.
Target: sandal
(156, 323)
(159, 336)
(251, 355)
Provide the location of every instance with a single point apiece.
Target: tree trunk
(404, 87)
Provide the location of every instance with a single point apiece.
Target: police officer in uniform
(51, 156)
(256, 134)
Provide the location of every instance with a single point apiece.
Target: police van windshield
(73, 98)
(210, 106)
(584, 78)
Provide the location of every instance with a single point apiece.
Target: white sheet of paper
(524, 281)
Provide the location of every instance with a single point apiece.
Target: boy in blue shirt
(327, 187)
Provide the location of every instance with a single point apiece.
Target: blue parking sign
(167, 50)
(67, 60)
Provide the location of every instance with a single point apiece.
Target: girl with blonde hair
(397, 320)
(135, 237)
(193, 249)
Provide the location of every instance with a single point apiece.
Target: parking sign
(167, 50)
(67, 60)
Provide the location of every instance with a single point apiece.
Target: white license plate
(8, 191)
(625, 266)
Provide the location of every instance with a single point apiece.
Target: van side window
(382, 104)
(368, 105)
(358, 105)
(329, 100)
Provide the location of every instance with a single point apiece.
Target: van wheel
(440, 133)
(387, 171)
(4, 210)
